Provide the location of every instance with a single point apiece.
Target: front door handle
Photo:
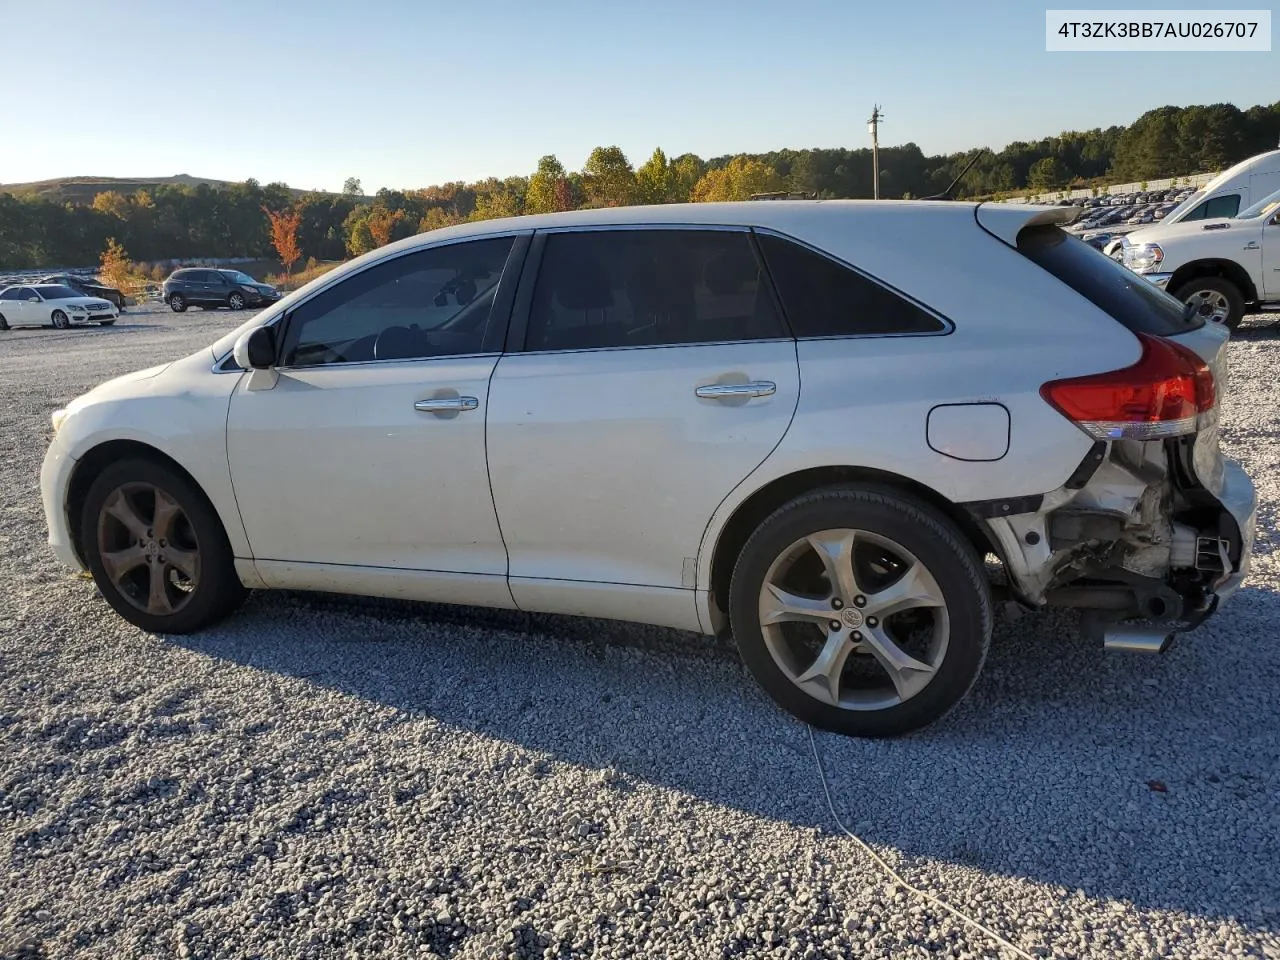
(447, 405)
(735, 391)
(1251, 245)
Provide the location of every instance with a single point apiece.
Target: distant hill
(82, 190)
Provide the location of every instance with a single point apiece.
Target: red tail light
(1164, 394)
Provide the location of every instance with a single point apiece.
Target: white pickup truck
(1225, 267)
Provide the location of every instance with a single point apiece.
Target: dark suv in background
(87, 287)
(207, 287)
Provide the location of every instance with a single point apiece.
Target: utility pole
(873, 126)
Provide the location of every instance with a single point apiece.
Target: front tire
(861, 610)
(1215, 299)
(236, 301)
(177, 303)
(60, 321)
(157, 550)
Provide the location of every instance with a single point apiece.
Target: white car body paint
(612, 480)
(79, 311)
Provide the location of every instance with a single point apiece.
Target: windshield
(1263, 207)
(55, 291)
(239, 277)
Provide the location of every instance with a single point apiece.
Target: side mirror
(256, 350)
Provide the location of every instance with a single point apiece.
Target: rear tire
(4, 324)
(1218, 300)
(60, 321)
(177, 303)
(157, 550)
(867, 664)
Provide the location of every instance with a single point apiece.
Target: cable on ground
(893, 874)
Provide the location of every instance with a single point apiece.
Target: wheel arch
(751, 512)
(1225, 269)
(97, 459)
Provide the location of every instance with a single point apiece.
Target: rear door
(651, 373)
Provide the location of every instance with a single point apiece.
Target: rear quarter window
(823, 298)
(1133, 301)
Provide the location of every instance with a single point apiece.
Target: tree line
(252, 220)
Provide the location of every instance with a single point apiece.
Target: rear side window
(823, 298)
(646, 288)
(1127, 297)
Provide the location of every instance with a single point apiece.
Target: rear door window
(601, 289)
(824, 298)
(1134, 301)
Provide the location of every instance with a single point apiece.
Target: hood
(118, 386)
(78, 301)
(1165, 232)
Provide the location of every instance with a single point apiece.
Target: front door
(1271, 257)
(655, 375)
(368, 451)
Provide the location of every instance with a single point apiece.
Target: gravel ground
(321, 777)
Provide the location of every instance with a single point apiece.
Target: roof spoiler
(1005, 221)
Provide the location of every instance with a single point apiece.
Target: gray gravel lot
(321, 777)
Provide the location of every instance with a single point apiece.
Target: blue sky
(404, 94)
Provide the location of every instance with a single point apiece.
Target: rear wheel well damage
(1224, 269)
(752, 512)
(98, 459)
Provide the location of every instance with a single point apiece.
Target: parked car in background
(1223, 269)
(88, 287)
(41, 304)
(208, 287)
(680, 376)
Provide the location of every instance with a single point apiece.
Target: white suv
(825, 426)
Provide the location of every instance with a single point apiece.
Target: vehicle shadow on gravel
(1151, 780)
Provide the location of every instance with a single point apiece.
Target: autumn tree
(739, 179)
(284, 226)
(112, 202)
(382, 222)
(609, 179)
(115, 269)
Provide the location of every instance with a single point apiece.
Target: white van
(1231, 191)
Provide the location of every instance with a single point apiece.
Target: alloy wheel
(854, 619)
(236, 302)
(148, 548)
(1210, 304)
(60, 320)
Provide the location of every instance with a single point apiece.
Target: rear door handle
(1251, 245)
(447, 405)
(733, 391)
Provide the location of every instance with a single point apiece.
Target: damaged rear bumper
(1134, 539)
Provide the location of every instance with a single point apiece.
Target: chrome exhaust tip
(1136, 638)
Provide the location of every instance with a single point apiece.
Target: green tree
(1045, 174)
(351, 187)
(492, 206)
(543, 194)
(655, 180)
(608, 178)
